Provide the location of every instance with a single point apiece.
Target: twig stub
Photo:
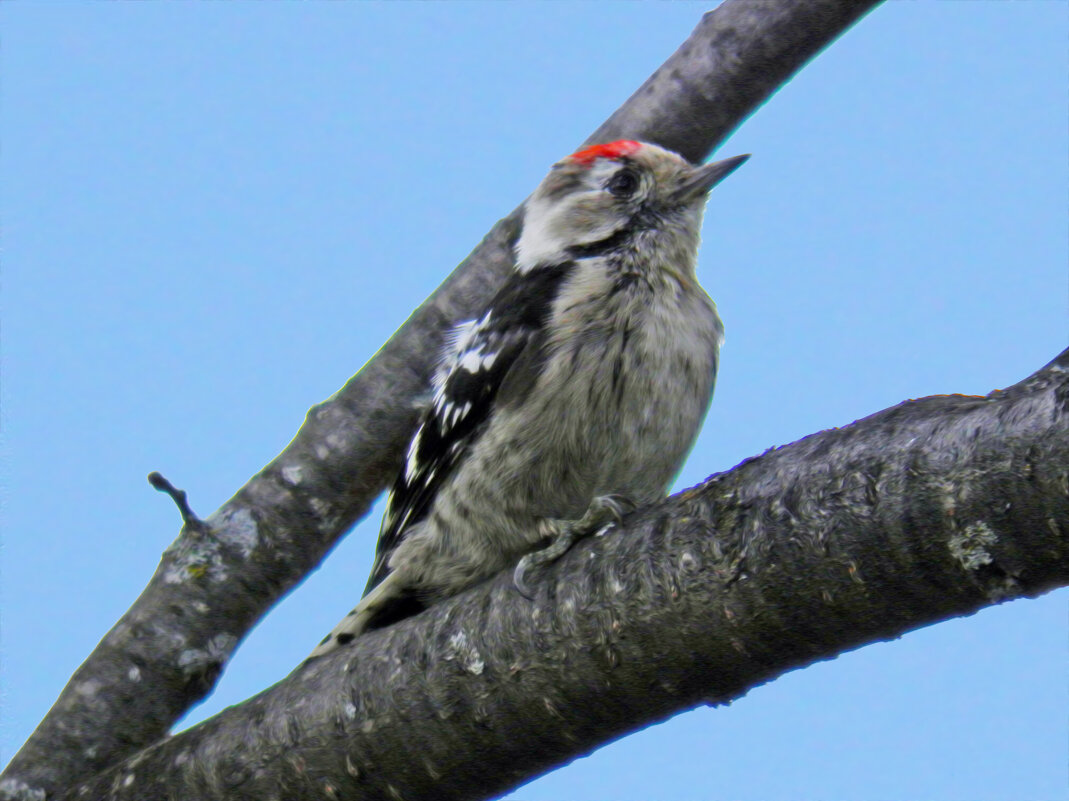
(189, 518)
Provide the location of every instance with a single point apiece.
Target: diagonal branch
(213, 584)
(928, 510)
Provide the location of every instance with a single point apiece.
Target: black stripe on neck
(601, 247)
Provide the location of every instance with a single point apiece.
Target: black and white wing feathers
(477, 359)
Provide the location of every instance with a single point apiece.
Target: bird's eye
(623, 184)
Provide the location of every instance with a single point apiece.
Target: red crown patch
(610, 150)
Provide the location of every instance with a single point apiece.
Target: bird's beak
(705, 178)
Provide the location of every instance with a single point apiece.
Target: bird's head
(624, 195)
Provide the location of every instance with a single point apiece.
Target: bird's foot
(603, 512)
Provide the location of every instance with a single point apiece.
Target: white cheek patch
(586, 214)
(538, 244)
(547, 232)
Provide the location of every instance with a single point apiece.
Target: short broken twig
(189, 519)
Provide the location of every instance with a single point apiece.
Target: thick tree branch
(932, 509)
(211, 586)
(736, 58)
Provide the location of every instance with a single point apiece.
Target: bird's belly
(618, 417)
(621, 424)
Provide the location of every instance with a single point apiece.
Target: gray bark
(213, 585)
(928, 510)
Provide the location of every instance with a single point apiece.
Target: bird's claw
(518, 577)
(604, 510)
(551, 553)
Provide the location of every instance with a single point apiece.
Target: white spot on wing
(411, 462)
(471, 361)
(457, 339)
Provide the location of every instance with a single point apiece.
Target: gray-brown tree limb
(211, 588)
(928, 510)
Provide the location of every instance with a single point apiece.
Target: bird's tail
(356, 622)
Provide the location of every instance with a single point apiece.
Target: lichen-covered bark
(931, 509)
(168, 650)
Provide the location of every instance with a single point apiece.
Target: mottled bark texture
(168, 650)
(931, 509)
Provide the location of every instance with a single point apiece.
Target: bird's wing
(477, 359)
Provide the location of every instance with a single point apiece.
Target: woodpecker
(574, 396)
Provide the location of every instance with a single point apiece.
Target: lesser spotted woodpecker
(576, 393)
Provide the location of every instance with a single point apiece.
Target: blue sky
(213, 214)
